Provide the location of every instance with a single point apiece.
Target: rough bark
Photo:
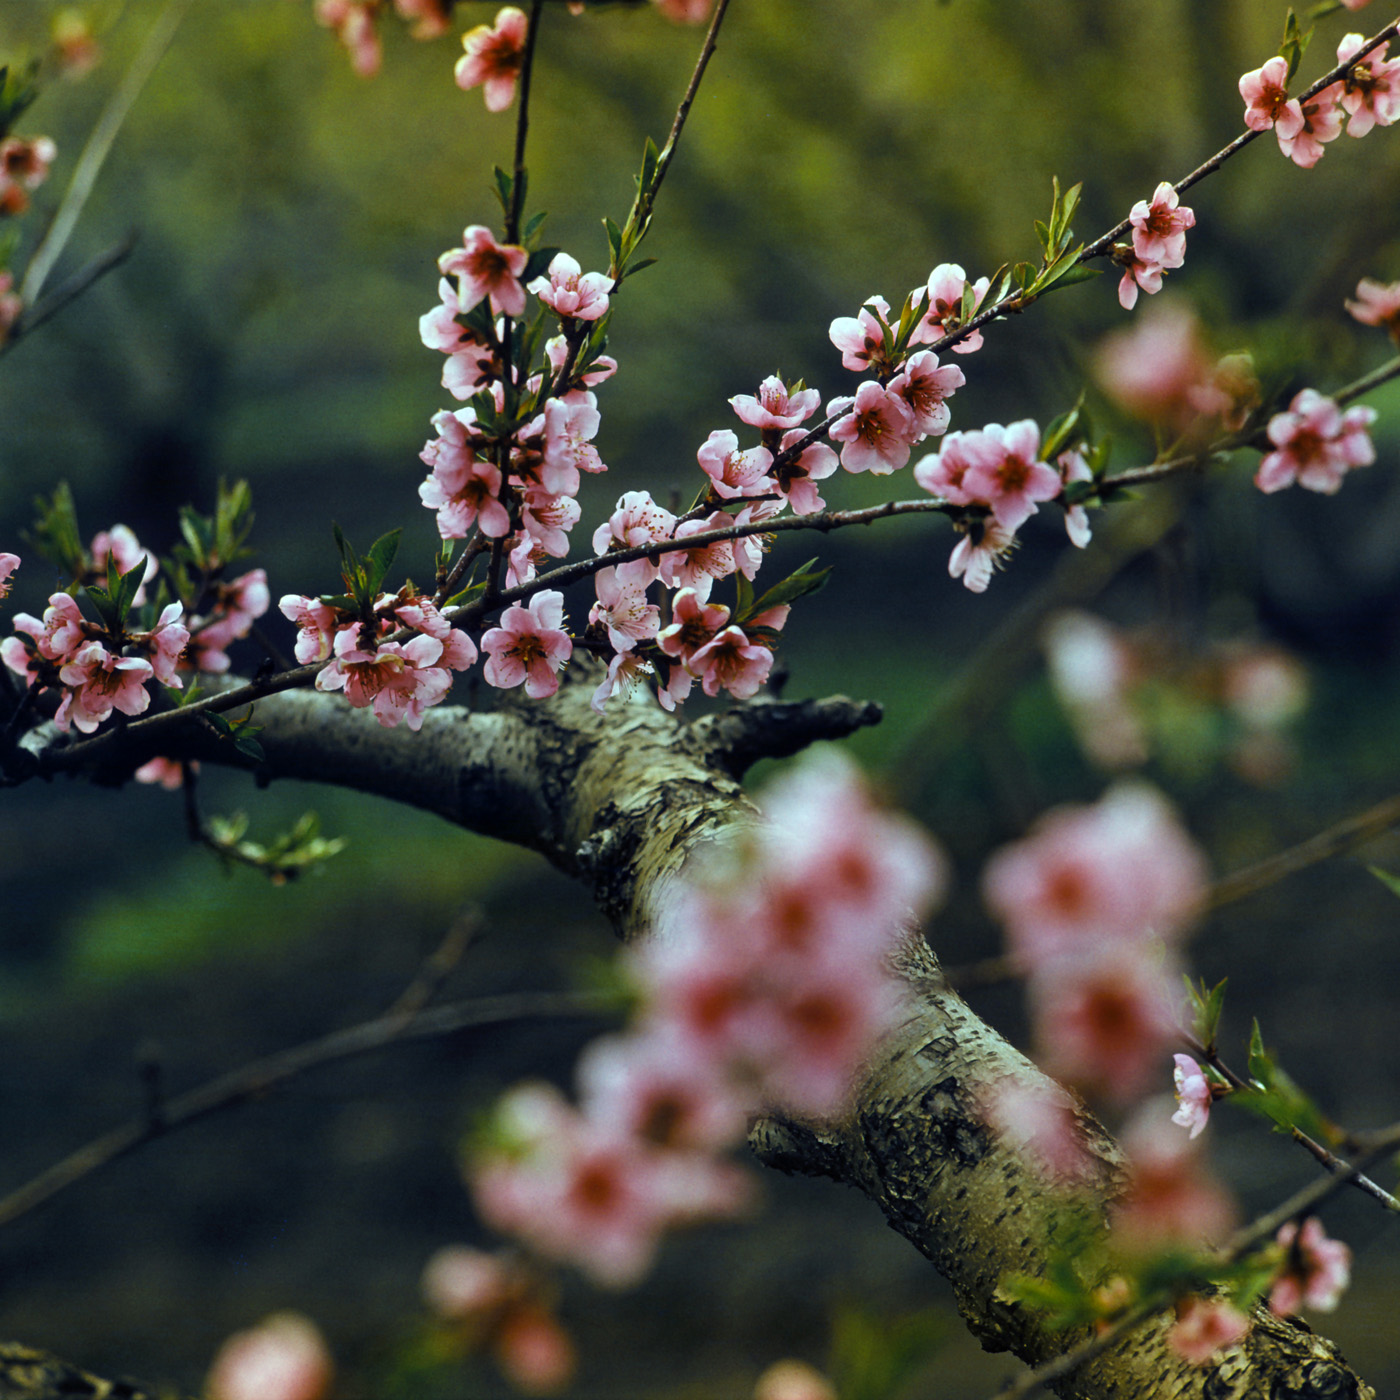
(622, 802)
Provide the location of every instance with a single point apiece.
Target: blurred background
(288, 215)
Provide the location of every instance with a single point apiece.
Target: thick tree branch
(622, 802)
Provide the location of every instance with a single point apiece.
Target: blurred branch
(255, 1079)
(99, 143)
(71, 290)
(1335, 840)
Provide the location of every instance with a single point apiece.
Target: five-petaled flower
(494, 54)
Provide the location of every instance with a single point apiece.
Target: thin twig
(99, 143)
(71, 290)
(257, 1078)
(1335, 840)
(522, 125)
(461, 933)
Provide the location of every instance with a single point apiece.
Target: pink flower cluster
(1316, 444)
(766, 983)
(1314, 1271)
(283, 1358)
(997, 474)
(398, 680)
(354, 24)
(1368, 96)
(1093, 901)
(1158, 244)
(95, 672)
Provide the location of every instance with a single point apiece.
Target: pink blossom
(975, 563)
(1316, 1270)
(1171, 1201)
(1159, 227)
(24, 166)
(1377, 304)
(750, 549)
(570, 424)
(685, 11)
(1010, 479)
(524, 554)
(698, 568)
(877, 432)
(399, 681)
(353, 22)
(945, 472)
(1104, 1022)
(1267, 104)
(796, 480)
(1039, 1117)
(1088, 880)
(485, 268)
(1137, 272)
(734, 473)
(8, 564)
(729, 661)
(99, 683)
(648, 1085)
(1073, 468)
(548, 519)
(464, 489)
(694, 624)
(463, 1283)
(1091, 669)
(534, 1351)
(582, 1193)
(430, 18)
(167, 641)
(776, 408)
(947, 285)
(529, 646)
(1159, 368)
(421, 614)
(62, 631)
(570, 292)
(316, 626)
(1371, 91)
(637, 520)
(622, 609)
(861, 338)
(627, 673)
(1204, 1327)
(282, 1358)
(1316, 444)
(838, 872)
(1322, 122)
(492, 61)
(1192, 1094)
(169, 773)
(924, 386)
(126, 552)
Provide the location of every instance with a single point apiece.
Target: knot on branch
(735, 740)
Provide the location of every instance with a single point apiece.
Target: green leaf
(650, 158)
(614, 245)
(55, 533)
(874, 1357)
(503, 189)
(636, 267)
(380, 557)
(538, 264)
(1294, 44)
(1276, 1096)
(1207, 1006)
(532, 227)
(744, 590)
(798, 584)
(1042, 232)
(1061, 431)
(1391, 882)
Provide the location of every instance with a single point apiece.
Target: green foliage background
(289, 217)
